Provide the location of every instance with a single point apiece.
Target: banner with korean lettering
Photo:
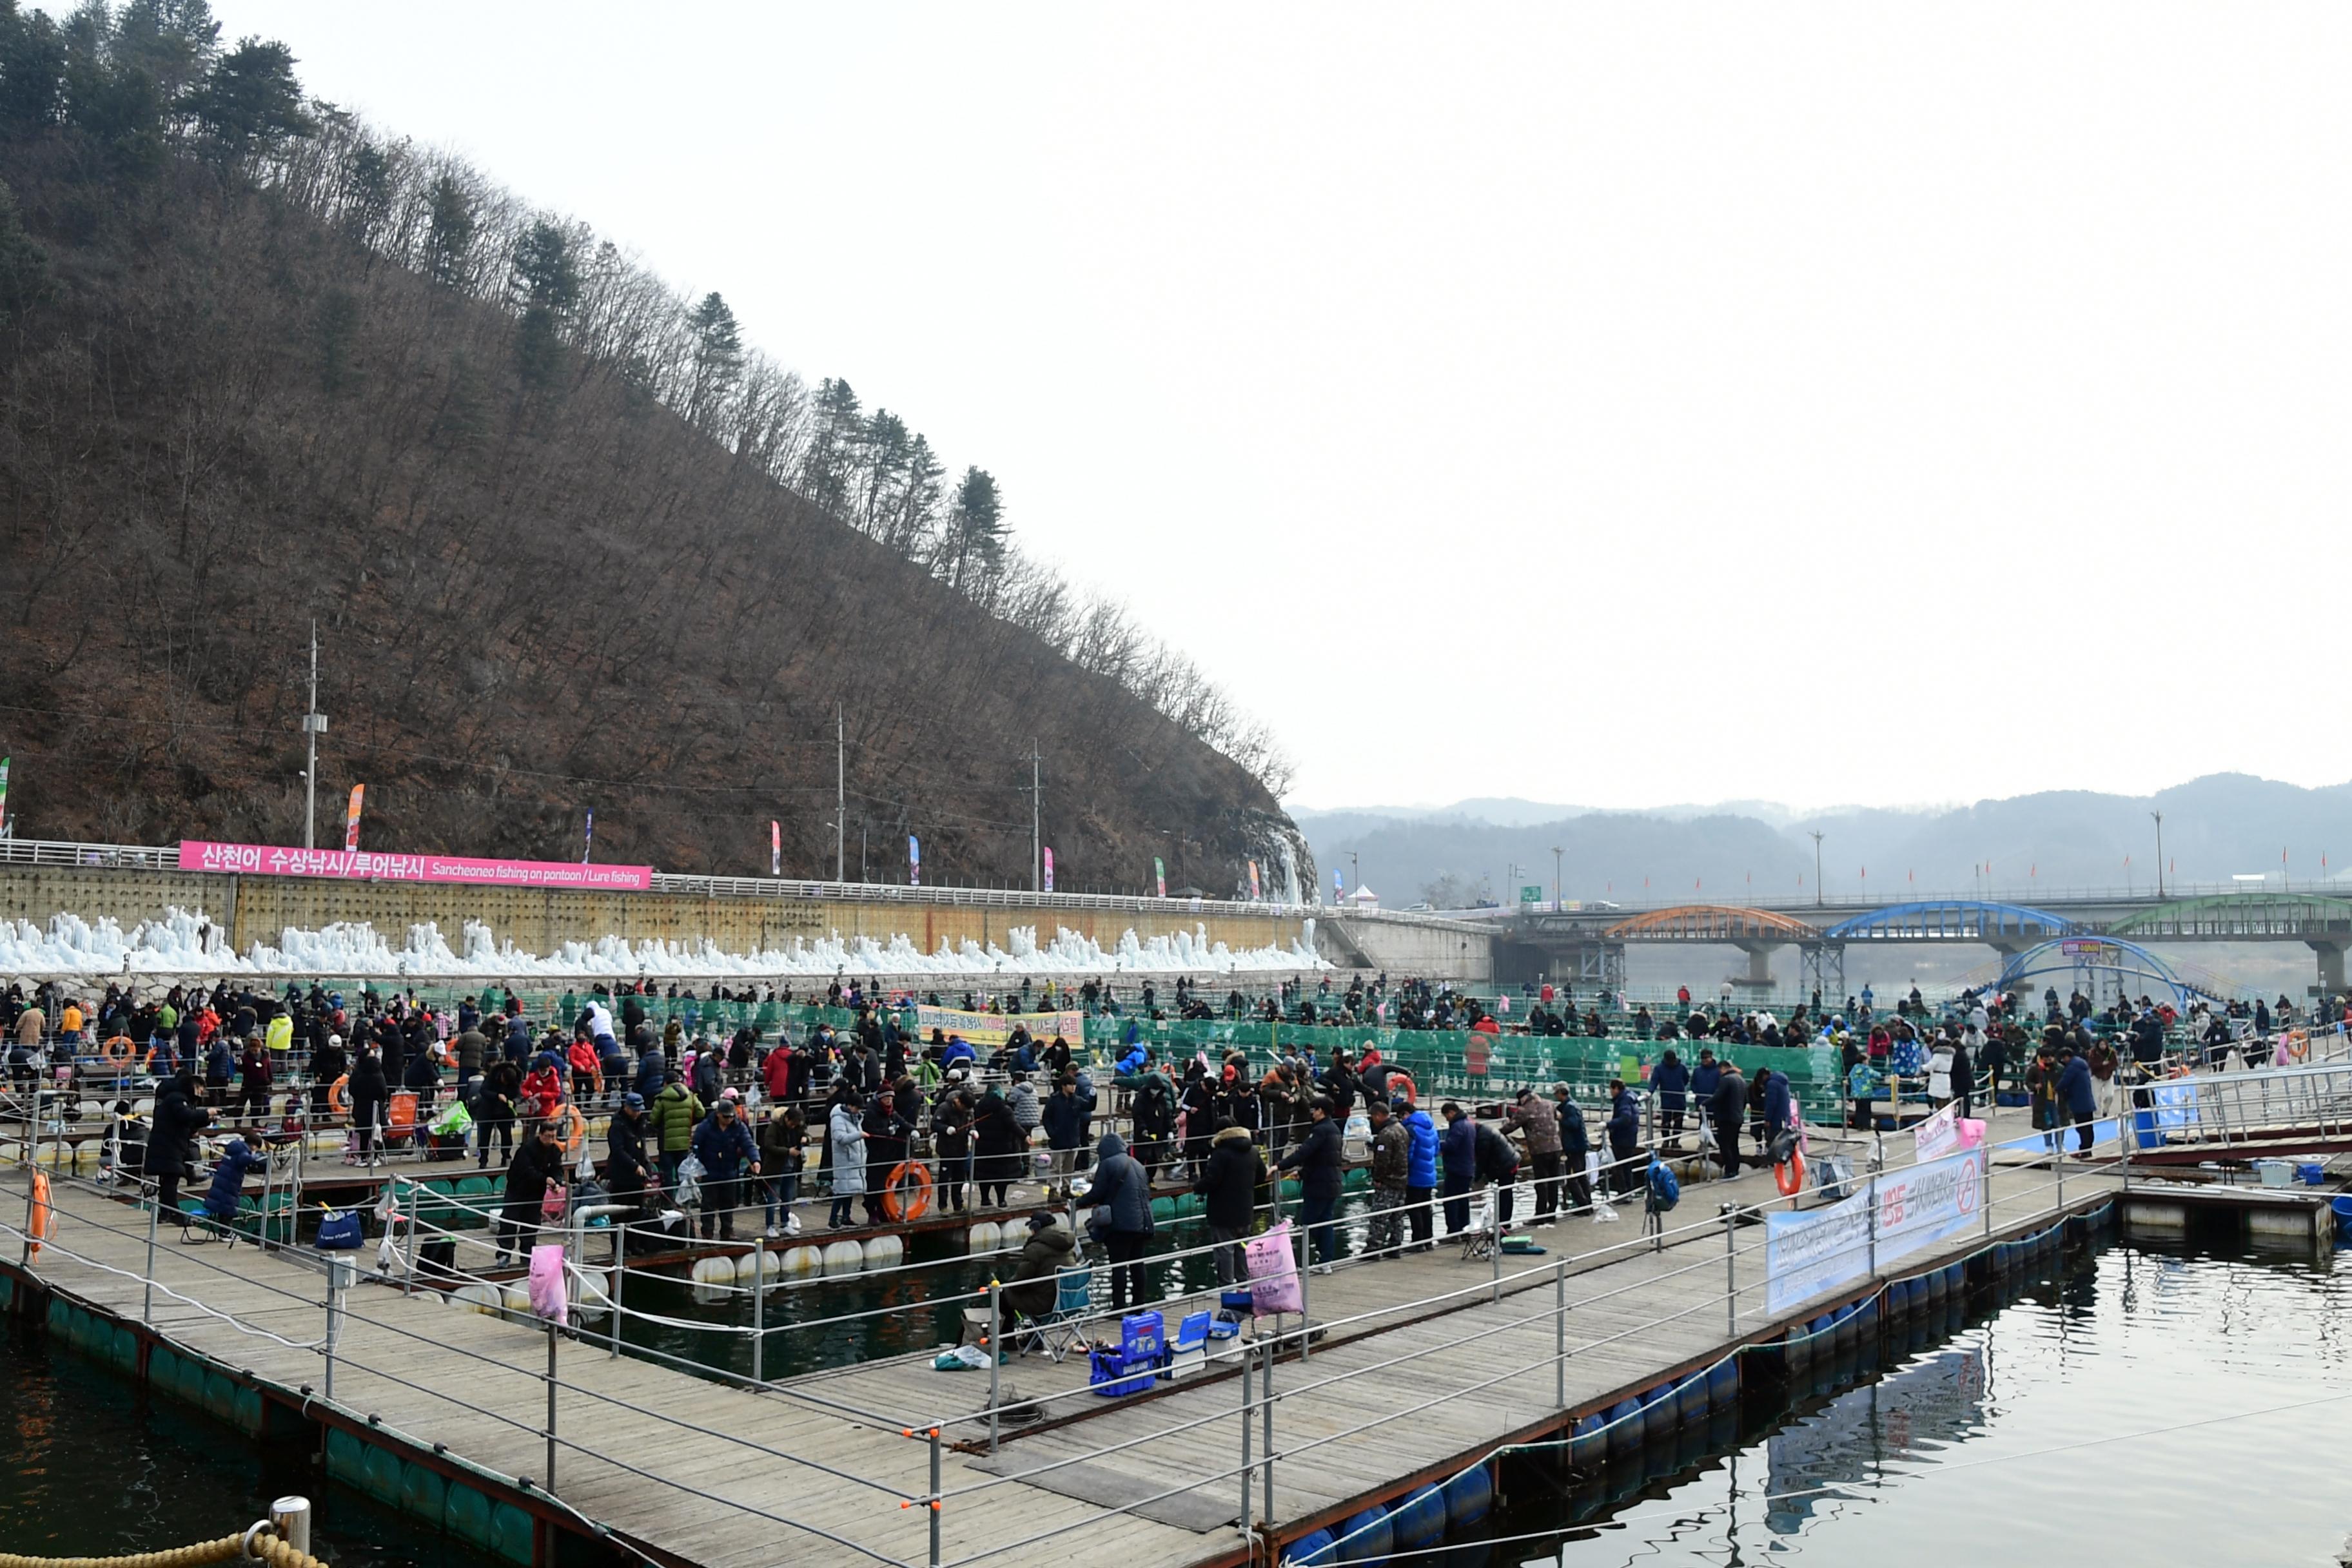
(775, 849)
(1159, 875)
(995, 1028)
(1049, 869)
(914, 861)
(366, 866)
(351, 822)
(1902, 1211)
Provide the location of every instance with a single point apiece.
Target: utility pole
(1816, 837)
(314, 724)
(840, 794)
(1555, 877)
(1355, 866)
(2160, 854)
(1036, 820)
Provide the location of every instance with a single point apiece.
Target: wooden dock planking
(1616, 1343)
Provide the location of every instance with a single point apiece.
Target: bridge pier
(1758, 977)
(2331, 967)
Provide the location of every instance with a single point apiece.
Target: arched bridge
(1588, 945)
(1711, 922)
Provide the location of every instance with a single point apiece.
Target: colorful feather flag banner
(351, 821)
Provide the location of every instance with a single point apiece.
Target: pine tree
(972, 548)
(717, 361)
(547, 285)
(450, 236)
(834, 445)
(250, 101)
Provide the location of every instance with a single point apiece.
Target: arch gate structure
(2103, 968)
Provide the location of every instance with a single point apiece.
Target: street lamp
(2160, 854)
(1816, 837)
(1555, 877)
(1356, 870)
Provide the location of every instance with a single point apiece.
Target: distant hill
(570, 545)
(2214, 828)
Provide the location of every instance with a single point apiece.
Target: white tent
(1363, 896)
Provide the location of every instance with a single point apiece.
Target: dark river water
(2141, 1404)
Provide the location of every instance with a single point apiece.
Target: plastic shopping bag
(547, 1294)
(1272, 1272)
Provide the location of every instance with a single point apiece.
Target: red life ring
(907, 1195)
(1790, 1177)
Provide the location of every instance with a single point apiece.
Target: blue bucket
(2342, 1208)
(2312, 1174)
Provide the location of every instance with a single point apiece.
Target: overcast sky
(1865, 404)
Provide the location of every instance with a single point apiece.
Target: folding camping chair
(1482, 1237)
(1060, 1332)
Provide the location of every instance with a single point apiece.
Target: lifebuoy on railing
(338, 1099)
(41, 1223)
(116, 1051)
(907, 1195)
(1789, 1174)
(572, 1130)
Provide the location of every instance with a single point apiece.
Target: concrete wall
(1426, 952)
(259, 909)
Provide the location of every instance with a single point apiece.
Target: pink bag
(1272, 1272)
(547, 1294)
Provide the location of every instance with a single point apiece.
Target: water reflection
(2144, 1402)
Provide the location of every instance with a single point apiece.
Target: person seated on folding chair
(228, 1190)
(1033, 1295)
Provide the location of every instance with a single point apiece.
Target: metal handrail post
(932, 1505)
(2059, 1164)
(32, 1170)
(1988, 1190)
(760, 1315)
(1306, 1307)
(996, 1357)
(1266, 1400)
(147, 1303)
(620, 1268)
(1870, 1227)
(1731, 1270)
(408, 1285)
(1494, 1242)
(550, 1406)
(1560, 1333)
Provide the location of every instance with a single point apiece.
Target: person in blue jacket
(957, 1050)
(2075, 1094)
(228, 1182)
(724, 1146)
(1705, 1079)
(1459, 1149)
(1625, 1137)
(1779, 1115)
(1672, 1082)
(1421, 1172)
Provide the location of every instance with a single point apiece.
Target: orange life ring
(1398, 1085)
(116, 1051)
(2298, 1046)
(1790, 1177)
(41, 1224)
(907, 1194)
(337, 1101)
(572, 1130)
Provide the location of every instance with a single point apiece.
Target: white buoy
(844, 1258)
(747, 1263)
(714, 1271)
(801, 1261)
(771, 1264)
(987, 1235)
(592, 1289)
(884, 1252)
(515, 1299)
(481, 1297)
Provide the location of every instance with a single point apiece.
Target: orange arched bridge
(1712, 922)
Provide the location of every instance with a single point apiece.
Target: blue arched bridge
(2112, 934)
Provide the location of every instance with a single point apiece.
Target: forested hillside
(571, 544)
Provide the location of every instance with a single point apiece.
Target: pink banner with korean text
(366, 865)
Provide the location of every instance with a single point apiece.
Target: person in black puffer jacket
(1316, 1160)
(1228, 1189)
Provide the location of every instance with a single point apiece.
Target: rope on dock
(260, 1542)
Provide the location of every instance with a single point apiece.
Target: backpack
(1666, 1192)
